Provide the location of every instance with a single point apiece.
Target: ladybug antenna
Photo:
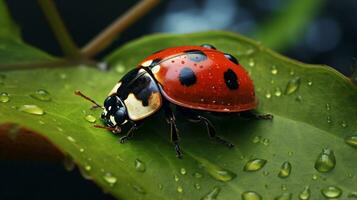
(112, 129)
(79, 93)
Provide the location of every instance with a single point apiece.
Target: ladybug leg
(195, 117)
(254, 115)
(171, 120)
(130, 133)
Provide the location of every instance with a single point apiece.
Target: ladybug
(194, 79)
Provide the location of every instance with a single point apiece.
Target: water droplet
(293, 85)
(139, 189)
(176, 178)
(71, 139)
(328, 107)
(331, 192)
(85, 171)
(32, 109)
(139, 165)
(305, 194)
(215, 171)
(81, 150)
(285, 170)
(212, 194)
(292, 73)
(254, 165)
(298, 98)
(63, 76)
(314, 177)
(160, 186)
(68, 162)
(179, 189)
(110, 179)
(41, 95)
(284, 196)
(268, 95)
(325, 161)
(351, 140)
(251, 195)
(197, 175)
(290, 153)
(266, 141)
(352, 194)
(256, 139)
(183, 171)
(344, 124)
(251, 62)
(273, 70)
(120, 68)
(90, 118)
(277, 92)
(329, 121)
(284, 187)
(309, 83)
(197, 186)
(4, 97)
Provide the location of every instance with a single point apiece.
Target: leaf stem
(60, 31)
(106, 37)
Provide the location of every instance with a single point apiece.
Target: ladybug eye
(112, 103)
(231, 58)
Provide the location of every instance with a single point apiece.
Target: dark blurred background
(312, 31)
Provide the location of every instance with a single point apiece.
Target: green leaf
(318, 112)
(284, 28)
(12, 49)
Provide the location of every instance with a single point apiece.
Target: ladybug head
(114, 113)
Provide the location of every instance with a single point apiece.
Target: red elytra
(209, 90)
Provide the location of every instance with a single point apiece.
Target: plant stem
(106, 37)
(60, 31)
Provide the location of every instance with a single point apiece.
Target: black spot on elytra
(187, 77)
(231, 58)
(208, 46)
(231, 79)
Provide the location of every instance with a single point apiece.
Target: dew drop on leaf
(215, 171)
(212, 194)
(351, 140)
(344, 124)
(179, 189)
(277, 92)
(256, 139)
(4, 97)
(71, 139)
(41, 95)
(325, 161)
(139, 189)
(139, 165)
(268, 95)
(309, 83)
(197, 175)
(90, 118)
(285, 170)
(85, 171)
(176, 178)
(283, 187)
(265, 141)
(331, 192)
(251, 195)
(183, 171)
(328, 107)
(197, 186)
(293, 85)
(254, 165)
(160, 186)
(68, 162)
(305, 194)
(284, 196)
(329, 121)
(251, 62)
(314, 177)
(352, 195)
(274, 70)
(32, 109)
(110, 179)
